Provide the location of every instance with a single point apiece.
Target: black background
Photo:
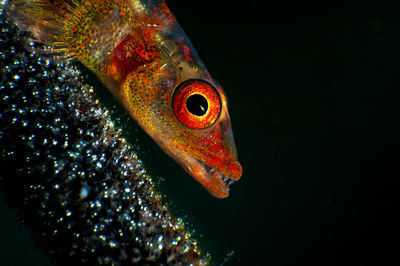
(314, 99)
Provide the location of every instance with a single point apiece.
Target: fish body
(138, 50)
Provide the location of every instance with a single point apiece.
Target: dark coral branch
(75, 182)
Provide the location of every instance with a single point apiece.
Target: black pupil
(197, 105)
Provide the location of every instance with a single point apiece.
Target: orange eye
(196, 103)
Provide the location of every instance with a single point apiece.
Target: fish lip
(211, 179)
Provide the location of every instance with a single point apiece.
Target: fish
(142, 55)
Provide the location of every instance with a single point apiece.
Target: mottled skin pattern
(140, 52)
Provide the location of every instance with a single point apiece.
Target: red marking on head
(187, 52)
(137, 49)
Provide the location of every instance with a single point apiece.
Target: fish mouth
(211, 179)
(215, 182)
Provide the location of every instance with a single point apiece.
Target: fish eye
(196, 103)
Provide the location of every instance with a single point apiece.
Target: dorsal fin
(86, 30)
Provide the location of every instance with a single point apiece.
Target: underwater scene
(293, 161)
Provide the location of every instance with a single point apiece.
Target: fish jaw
(215, 182)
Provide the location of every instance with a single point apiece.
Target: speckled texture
(76, 183)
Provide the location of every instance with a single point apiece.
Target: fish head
(175, 100)
(189, 120)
